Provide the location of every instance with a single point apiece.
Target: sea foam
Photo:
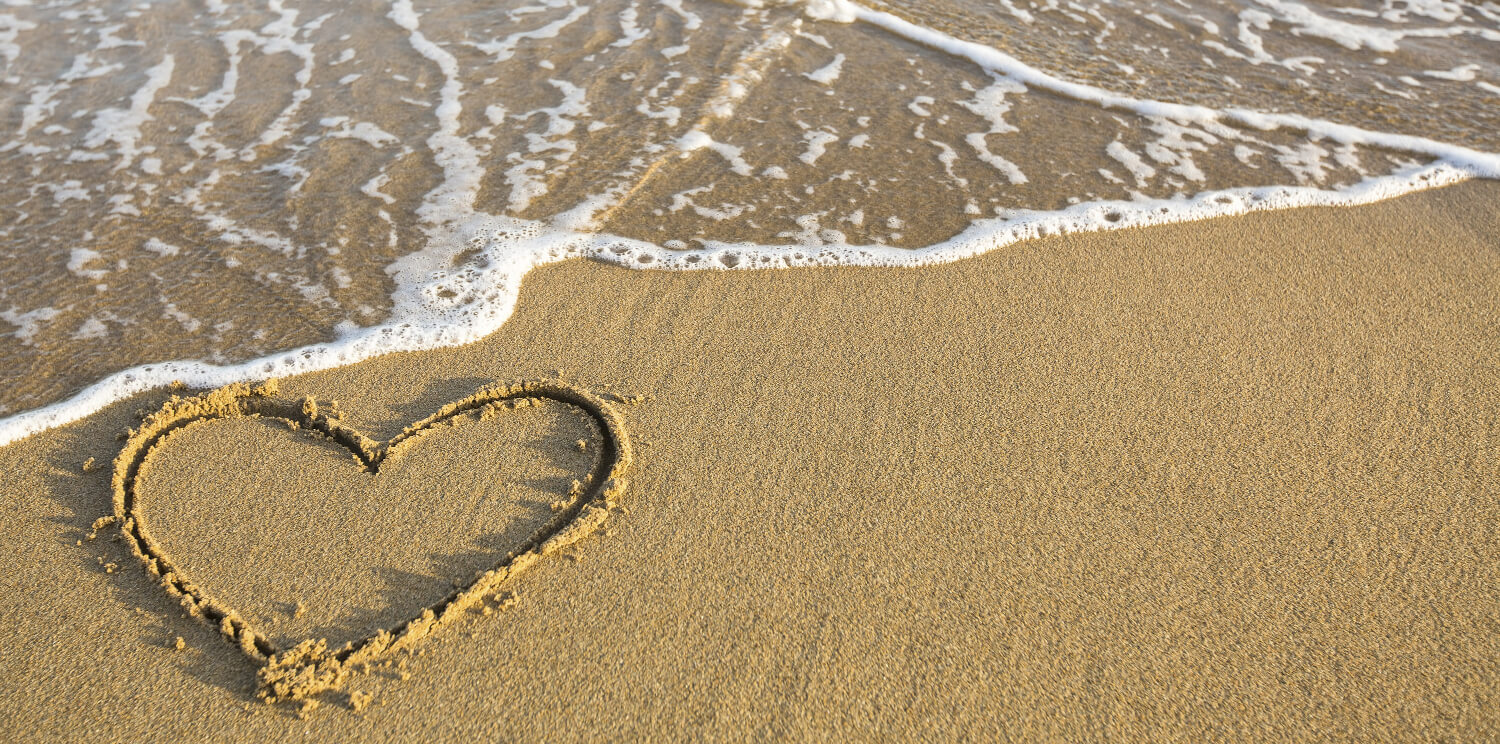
(440, 301)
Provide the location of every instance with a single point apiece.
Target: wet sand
(1228, 480)
(236, 183)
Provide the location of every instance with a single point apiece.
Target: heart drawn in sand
(311, 667)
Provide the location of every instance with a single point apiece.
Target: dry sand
(1232, 480)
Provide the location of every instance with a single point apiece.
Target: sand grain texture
(1232, 480)
(485, 487)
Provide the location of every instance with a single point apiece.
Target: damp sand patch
(393, 540)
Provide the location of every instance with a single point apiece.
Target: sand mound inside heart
(226, 497)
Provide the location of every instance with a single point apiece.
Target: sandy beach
(1230, 480)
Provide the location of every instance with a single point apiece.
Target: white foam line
(1481, 164)
(986, 235)
(514, 247)
(501, 50)
(458, 159)
(123, 126)
(466, 325)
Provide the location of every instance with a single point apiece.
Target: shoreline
(424, 329)
(1230, 478)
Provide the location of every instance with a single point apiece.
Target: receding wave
(279, 189)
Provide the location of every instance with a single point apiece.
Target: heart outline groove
(310, 667)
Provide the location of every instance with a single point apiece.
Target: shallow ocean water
(273, 187)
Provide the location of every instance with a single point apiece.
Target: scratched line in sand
(310, 667)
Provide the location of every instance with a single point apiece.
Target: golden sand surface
(1228, 480)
